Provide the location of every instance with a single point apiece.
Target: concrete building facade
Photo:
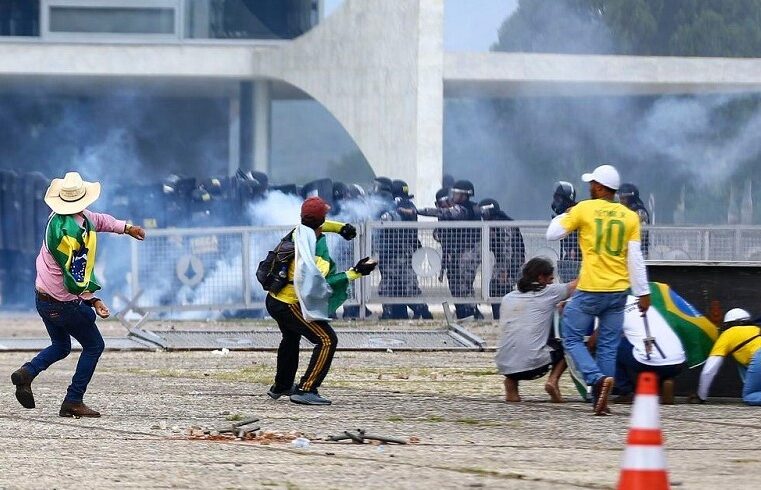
(378, 66)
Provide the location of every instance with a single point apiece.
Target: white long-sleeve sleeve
(710, 369)
(637, 270)
(556, 231)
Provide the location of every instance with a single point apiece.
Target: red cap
(314, 210)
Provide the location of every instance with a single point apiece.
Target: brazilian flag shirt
(605, 230)
(73, 246)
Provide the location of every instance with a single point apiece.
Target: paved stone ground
(450, 401)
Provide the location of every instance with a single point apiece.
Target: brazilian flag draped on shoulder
(696, 332)
(337, 281)
(73, 248)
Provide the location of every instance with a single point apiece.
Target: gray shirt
(526, 321)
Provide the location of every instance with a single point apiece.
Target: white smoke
(223, 285)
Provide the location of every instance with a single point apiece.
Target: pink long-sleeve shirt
(49, 274)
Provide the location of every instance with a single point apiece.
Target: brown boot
(74, 409)
(22, 379)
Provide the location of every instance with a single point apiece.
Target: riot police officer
(628, 195)
(386, 243)
(506, 243)
(564, 198)
(407, 243)
(461, 246)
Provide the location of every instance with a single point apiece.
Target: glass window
(112, 20)
(19, 18)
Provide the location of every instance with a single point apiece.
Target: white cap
(606, 175)
(736, 314)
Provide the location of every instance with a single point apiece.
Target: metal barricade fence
(419, 262)
(456, 262)
(212, 268)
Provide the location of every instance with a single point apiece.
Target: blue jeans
(578, 317)
(628, 368)
(63, 321)
(752, 386)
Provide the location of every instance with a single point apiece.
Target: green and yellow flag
(73, 248)
(695, 331)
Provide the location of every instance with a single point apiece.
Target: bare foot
(554, 391)
(511, 391)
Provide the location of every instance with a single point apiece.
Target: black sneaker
(309, 398)
(274, 393)
(600, 393)
(22, 379)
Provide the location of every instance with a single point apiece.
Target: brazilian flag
(73, 248)
(695, 331)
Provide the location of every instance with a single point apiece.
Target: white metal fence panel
(419, 262)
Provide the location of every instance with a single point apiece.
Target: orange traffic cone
(644, 464)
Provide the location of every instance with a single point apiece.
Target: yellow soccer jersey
(735, 336)
(605, 230)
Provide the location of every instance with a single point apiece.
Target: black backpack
(272, 272)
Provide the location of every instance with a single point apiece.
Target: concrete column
(377, 66)
(233, 151)
(246, 138)
(262, 127)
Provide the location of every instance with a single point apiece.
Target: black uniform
(390, 246)
(569, 261)
(402, 280)
(628, 194)
(461, 249)
(506, 243)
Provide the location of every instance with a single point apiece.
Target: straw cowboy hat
(71, 194)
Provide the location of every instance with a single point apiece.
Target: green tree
(640, 27)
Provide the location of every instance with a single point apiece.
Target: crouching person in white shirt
(663, 356)
(528, 349)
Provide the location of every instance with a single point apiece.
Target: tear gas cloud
(515, 149)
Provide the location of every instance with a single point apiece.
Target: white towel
(311, 287)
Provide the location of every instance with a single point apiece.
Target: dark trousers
(63, 321)
(628, 368)
(293, 325)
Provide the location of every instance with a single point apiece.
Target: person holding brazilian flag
(66, 286)
(675, 335)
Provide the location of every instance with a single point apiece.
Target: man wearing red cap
(303, 306)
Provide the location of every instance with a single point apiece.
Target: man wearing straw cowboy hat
(65, 288)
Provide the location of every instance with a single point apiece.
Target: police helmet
(563, 197)
(442, 196)
(261, 179)
(340, 191)
(382, 184)
(399, 188)
(356, 191)
(628, 191)
(213, 186)
(489, 207)
(464, 187)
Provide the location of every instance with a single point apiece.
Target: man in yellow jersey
(299, 315)
(612, 263)
(741, 339)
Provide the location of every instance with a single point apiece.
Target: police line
(197, 269)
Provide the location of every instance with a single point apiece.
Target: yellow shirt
(735, 336)
(605, 230)
(288, 293)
